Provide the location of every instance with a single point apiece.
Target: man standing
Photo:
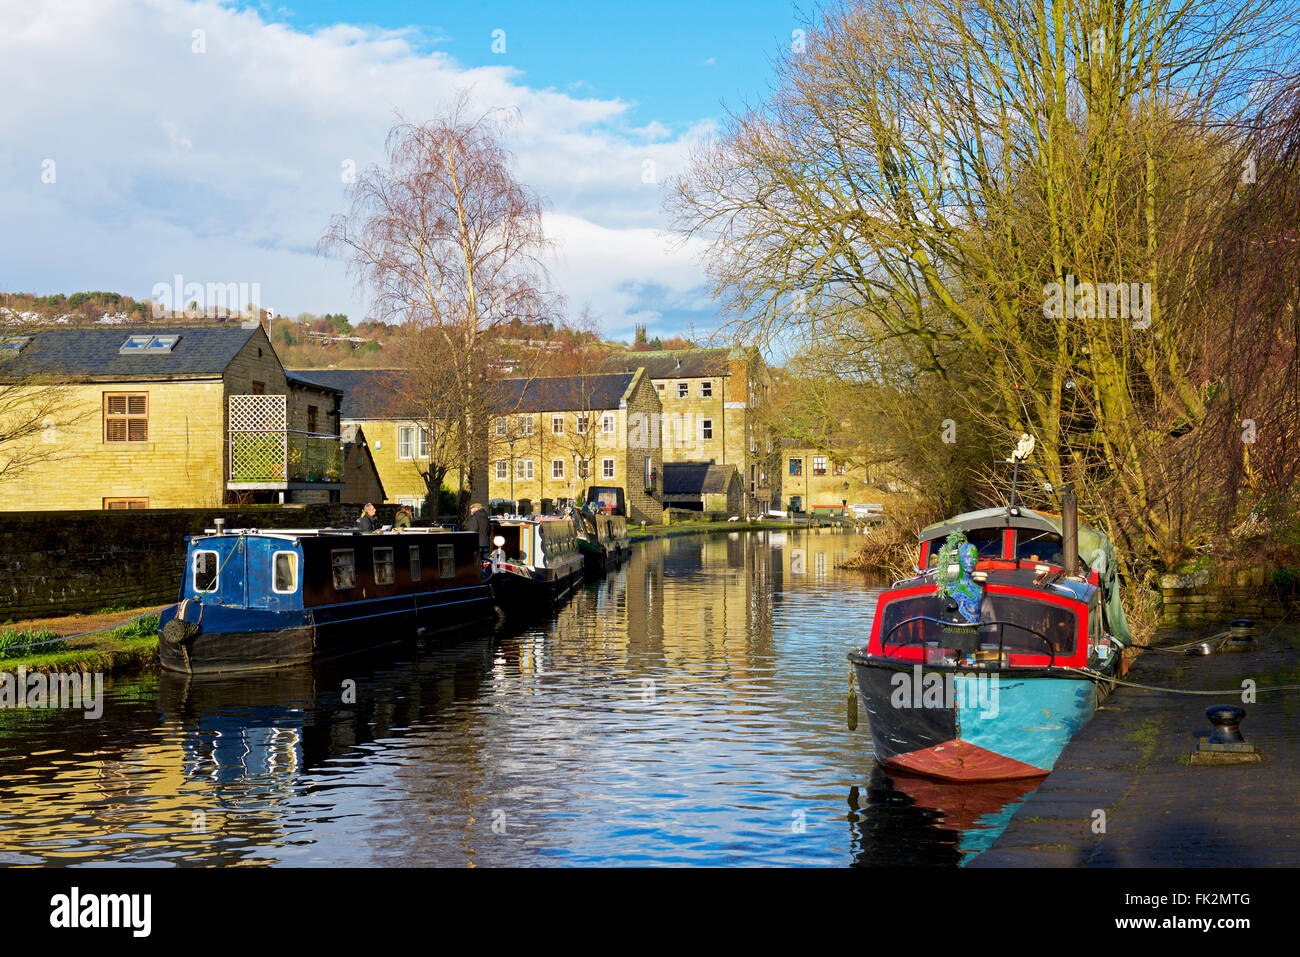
(366, 523)
(479, 522)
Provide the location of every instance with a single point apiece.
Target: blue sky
(147, 139)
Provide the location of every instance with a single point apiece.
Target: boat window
(383, 559)
(416, 572)
(446, 561)
(1039, 547)
(344, 564)
(205, 571)
(987, 540)
(1014, 622)
(284, 581)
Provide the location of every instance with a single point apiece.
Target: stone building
(554, 437)
(703, 487)
(713, 412)
(816, 479)
(168, 416)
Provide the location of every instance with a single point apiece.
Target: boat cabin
(1018, 536)
(536, 542)
(293, 569)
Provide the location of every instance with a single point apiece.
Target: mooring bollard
(1226, 719)
(1225, 745)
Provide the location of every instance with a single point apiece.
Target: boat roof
(1022, 577)
(288, 533)
(1000, 517)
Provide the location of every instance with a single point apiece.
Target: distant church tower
(640, 333)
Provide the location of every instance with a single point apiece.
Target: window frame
(819, 469)
(608, 423)
(557, 472)
(125, 503)
(335, 565)
(796, 466)
(683, 390)
(414, 566)
(405, 441)
(524, 469)
(706, 430)
(446, 553)
(375, 563)
(706, 388)
(275, 558)
(503, 470)
(557, 423)
(216, 574)
(607, 466)
(126, 417)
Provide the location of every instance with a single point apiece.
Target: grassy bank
(128, 648)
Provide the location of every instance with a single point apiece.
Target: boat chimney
(220, 525)
(1070, 531)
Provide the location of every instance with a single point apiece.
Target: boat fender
(180, 633)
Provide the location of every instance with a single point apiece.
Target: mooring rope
(1232, 692)
(95, 631)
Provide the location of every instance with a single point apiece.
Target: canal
(687, 709)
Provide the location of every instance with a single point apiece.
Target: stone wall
(62, 563)
(1216, 596)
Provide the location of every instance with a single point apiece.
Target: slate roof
(296, 379)
(372, 393)
(673, 363)
(563, 393)
(92, 353)
(696, 478)
(367, 393)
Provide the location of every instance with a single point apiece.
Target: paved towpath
(1131, 761)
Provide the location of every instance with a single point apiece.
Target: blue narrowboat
(985, 663)
(255, 599)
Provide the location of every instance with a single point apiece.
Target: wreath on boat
(954, 576)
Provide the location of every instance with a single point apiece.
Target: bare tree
(34, 406)
(447, 240)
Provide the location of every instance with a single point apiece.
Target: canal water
(687, 709)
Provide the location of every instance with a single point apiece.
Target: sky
(150, 139)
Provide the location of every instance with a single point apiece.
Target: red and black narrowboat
(535, 563)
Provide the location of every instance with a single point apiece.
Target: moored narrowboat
(602, 540)
(535, 562)
(983, 665)
(255, 599)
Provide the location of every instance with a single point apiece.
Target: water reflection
(688, 709)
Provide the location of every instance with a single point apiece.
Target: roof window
(137, 345)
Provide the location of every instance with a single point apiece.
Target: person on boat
(366, 523)
(404, 517)
(479, 522)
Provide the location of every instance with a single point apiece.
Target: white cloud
(225, 165)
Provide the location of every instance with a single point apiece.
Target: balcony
(285, 460)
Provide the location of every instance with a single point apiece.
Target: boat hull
(231, 640)
(972, 725)
(522, 592)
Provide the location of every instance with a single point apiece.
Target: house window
(116, 503)
(126, 416)
(423, 450)
(259, 388)
(796, 466)
(706, 389)
(584, 422)
(557, 468)
(683, 389)
(557, 425)
(416, 505)
(660, 386)
(819, 465)
(206, 571)
(284, 579)
(838, 468)
(706, 428)
(343, 562)
(524, 469)
(607, 468)
(311, 418)
(525, 425)
(502, 425)
(416, 571)
(383, 561)
(446, 561)
(406, 442)
(607, 423)
(584, 468)
(503, 470)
